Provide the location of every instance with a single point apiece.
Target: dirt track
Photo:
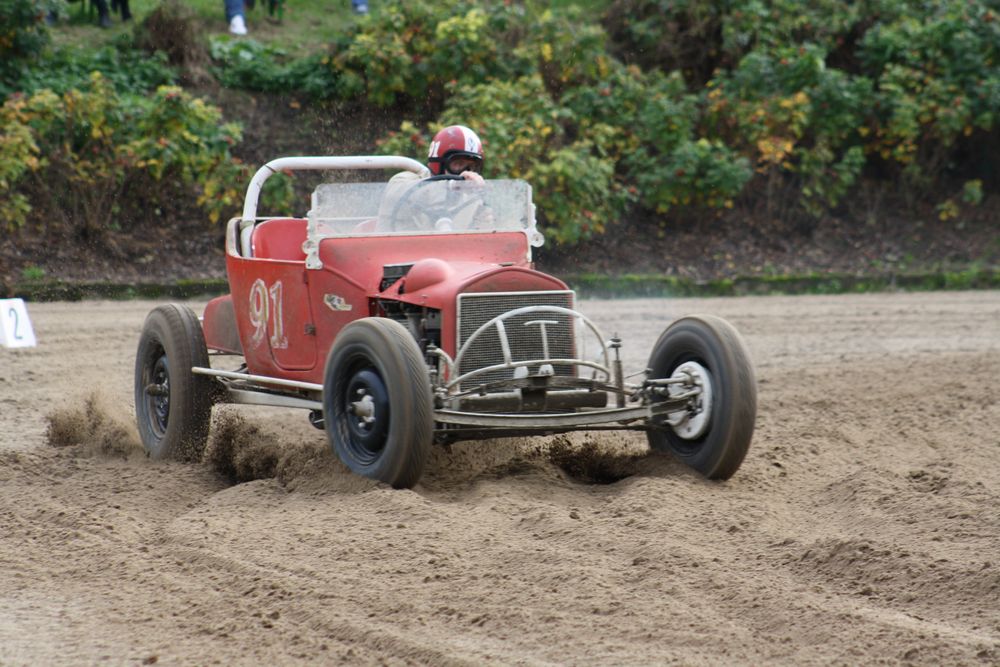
(864, 526)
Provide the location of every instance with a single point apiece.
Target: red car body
(409, 313)
(301, 325)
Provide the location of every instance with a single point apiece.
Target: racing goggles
(475, 159)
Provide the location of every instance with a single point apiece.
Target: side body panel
(288, 316)
(271, 304)
(219, 325)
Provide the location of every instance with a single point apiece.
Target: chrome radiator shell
(526, 337)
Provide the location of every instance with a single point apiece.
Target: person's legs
(233, 8)
(234, 15)
(103, 15)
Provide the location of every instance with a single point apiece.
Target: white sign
(15, 327)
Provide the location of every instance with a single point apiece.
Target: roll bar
(318, 164)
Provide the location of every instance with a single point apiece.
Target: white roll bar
(321, 163)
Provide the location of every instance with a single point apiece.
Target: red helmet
(453, 142)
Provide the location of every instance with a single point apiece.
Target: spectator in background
(121, 6)
(104, 16)
(234, 15)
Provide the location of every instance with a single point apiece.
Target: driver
(456, 151)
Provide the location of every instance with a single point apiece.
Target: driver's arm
(394, 190)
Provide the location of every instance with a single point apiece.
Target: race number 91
(266, 308)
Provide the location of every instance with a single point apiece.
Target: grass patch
(59, 290)
(307, 26)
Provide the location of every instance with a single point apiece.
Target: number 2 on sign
(15, 325)
(12, 314)
(264, 302)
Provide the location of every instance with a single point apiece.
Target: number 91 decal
(265, 306)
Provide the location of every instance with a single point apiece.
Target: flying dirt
(862, 527)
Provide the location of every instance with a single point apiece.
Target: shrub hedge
(664, 106)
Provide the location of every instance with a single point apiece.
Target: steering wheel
(426, 216)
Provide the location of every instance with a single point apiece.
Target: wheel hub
(366, 403)
(158, 395)
(693, 421)
(364, 408)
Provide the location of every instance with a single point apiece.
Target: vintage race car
(409, 314)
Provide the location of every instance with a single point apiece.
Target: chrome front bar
(536, 421)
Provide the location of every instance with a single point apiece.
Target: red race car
(405, 314)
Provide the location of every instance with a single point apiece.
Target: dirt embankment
(862, 528)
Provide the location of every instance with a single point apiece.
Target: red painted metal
(288, 316)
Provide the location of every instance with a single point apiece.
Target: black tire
(378, 358)
(173, 406)
(714, 344)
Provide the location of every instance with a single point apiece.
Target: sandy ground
(863, 528)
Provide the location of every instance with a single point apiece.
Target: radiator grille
(474, 310)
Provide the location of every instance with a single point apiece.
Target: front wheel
(377, 402)
(173, 406)
(713, 434)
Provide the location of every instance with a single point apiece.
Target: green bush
(795, 120)
(251, 65)
(682, 36)
(94, 159)
(698, 173)
(66, 68)
(413, 49)
(18, 155)
(938, 78)
(778, 102)
(523, 137)
(23, 34)
(812, 93)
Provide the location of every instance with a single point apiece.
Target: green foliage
(183, 139)
(699, 173)
(672, 106)
(415, 48)
(87, 150)
(671, 35)
(523, 136)
(252, 65)
(32, 273)
(23, 35)
(18, 155)
(564, 48)
(811, 93)
(938, 73)
(794, 118)
(67, 68)
(749, 25)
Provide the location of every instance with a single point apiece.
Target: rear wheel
(173, 406)
(377, 402)
(713, 434)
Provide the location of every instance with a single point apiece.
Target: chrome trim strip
(527, 421)
(230, 375)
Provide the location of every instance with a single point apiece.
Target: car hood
(433, 282)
